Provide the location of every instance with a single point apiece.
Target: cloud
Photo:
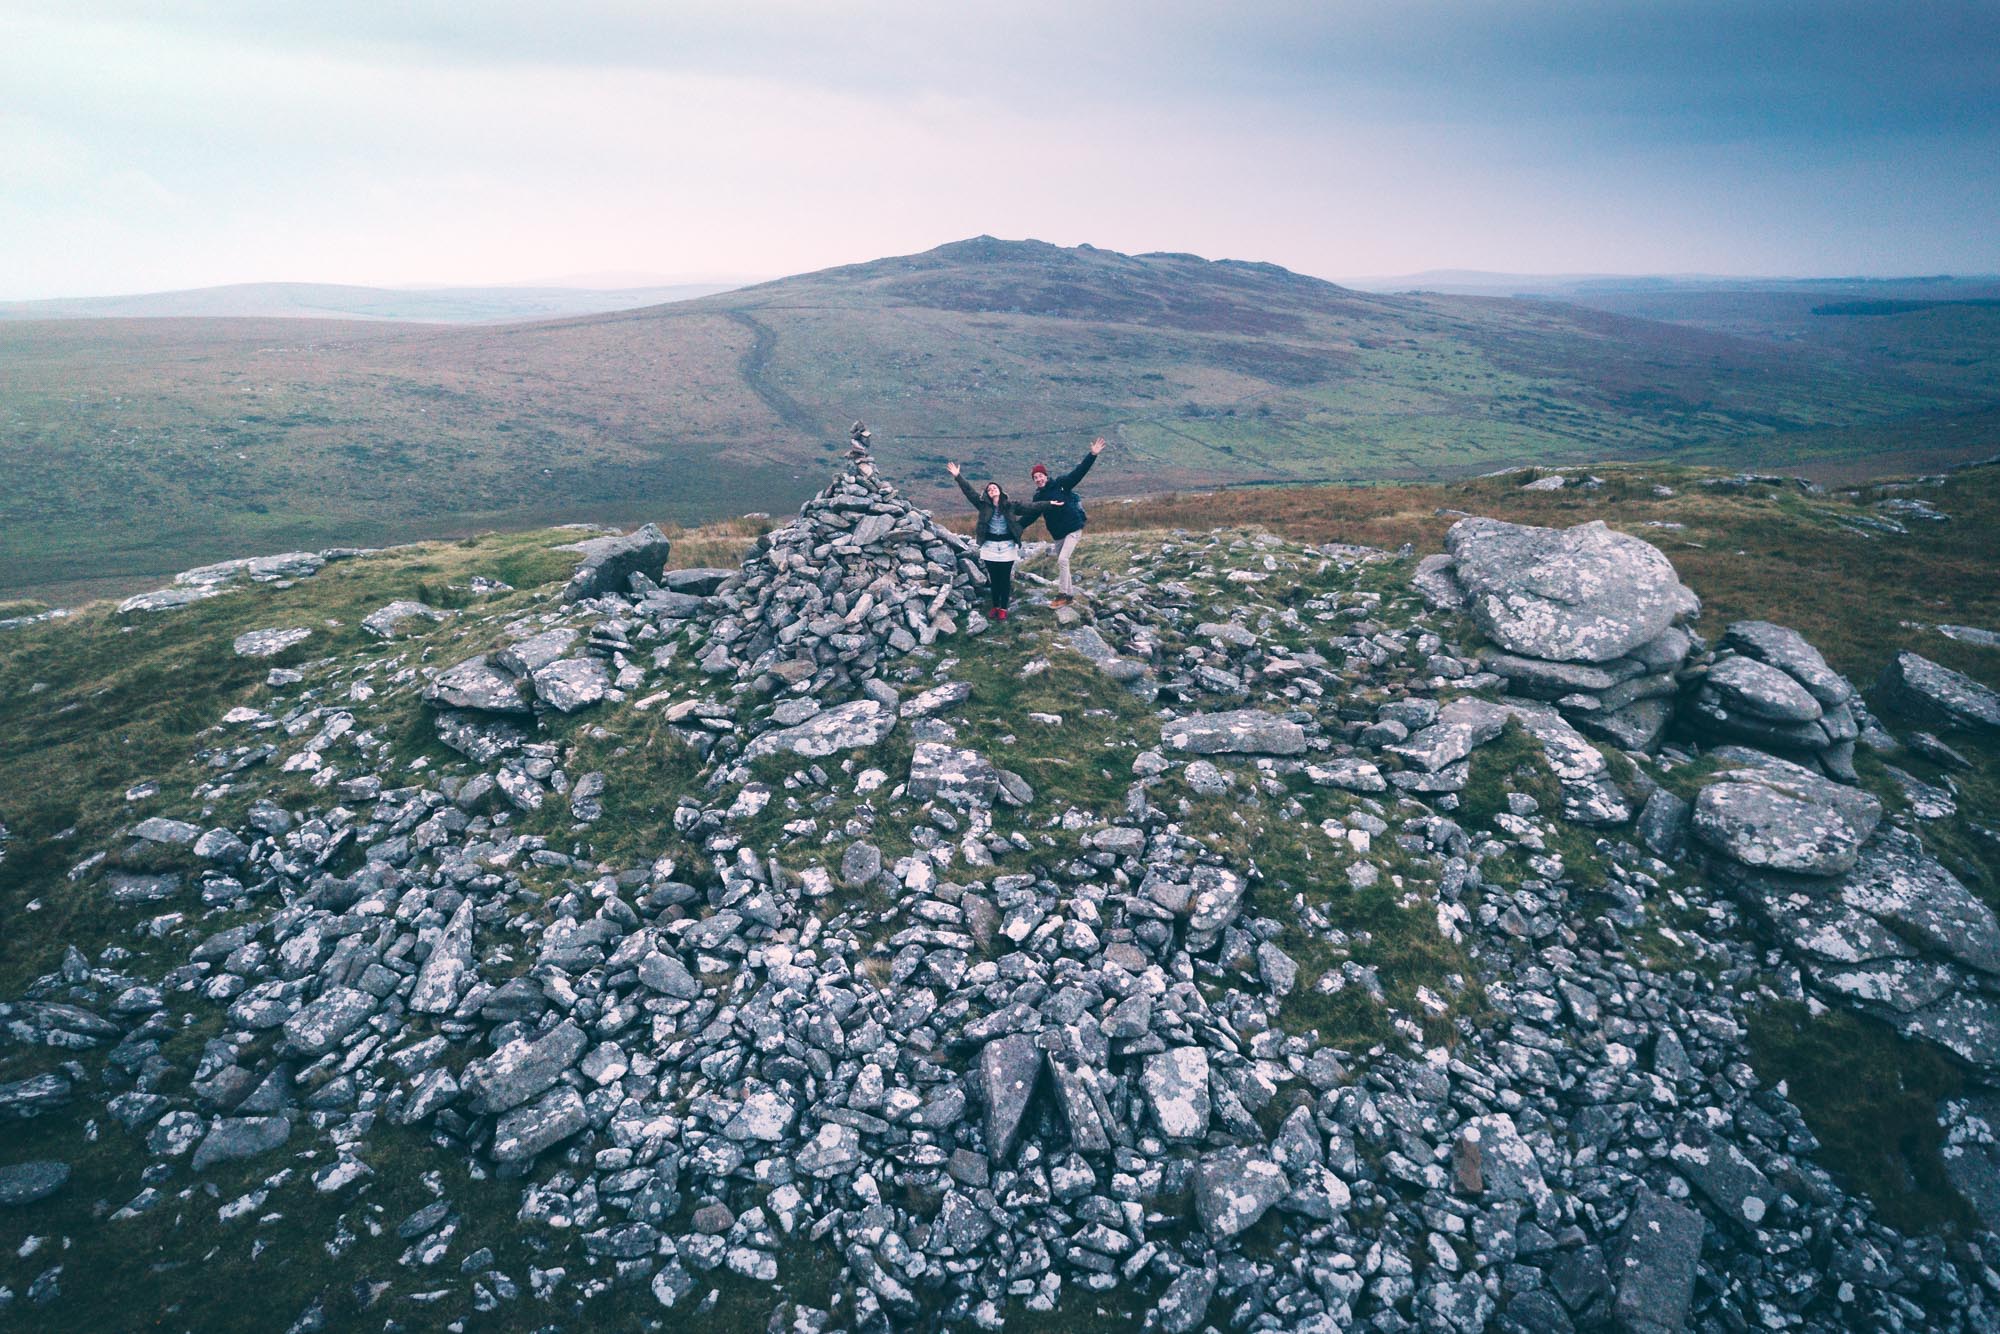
(420, 141)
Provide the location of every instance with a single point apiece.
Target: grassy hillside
(343, 301)
(134, 448)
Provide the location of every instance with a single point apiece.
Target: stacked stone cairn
(1585, 617)
(858, 579)
(1767, 687)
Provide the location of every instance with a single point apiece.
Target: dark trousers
(1000, 576)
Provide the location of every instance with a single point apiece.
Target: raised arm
(1076, 474)
(971, 495)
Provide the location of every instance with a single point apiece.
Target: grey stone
(526, 1131)
(478, 685)
(231, 1138)
(1775, 815)
(319, 1026)
(449, 969)
(522, 1068)
(1233, 1188)
(1006, 1076)
(610, 562)
(1761, 691)
(31, 1183)
(1584, 594)
(1461, 727)
(1241, 732)
(1787, 650)
(1935, 694)
(851, 726)
(1654, 1265)
(1175, 1083)
(1720, 1171)
(269, 643)
(528, 655)
(698, 582)
(388, 621)
(569, 684)
(958, 777)
(833, 1151)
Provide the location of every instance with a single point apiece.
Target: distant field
(134, 448)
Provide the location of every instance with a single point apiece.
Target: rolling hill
(139, 447)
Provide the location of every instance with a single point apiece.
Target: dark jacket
(1018, 517)
(1070, 518)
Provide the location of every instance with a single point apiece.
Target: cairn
(858, 579)
(1767, 687)
(1587, 618)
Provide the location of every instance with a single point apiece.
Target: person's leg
(999, 582)
(1064, 550)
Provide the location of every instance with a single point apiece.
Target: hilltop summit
(756, 946)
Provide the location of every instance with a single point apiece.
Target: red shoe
(999, 613)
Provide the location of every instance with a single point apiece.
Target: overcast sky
(146, 146)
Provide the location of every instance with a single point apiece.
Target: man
(1066, 517)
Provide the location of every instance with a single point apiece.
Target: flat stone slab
(478, 685)
(231, 1138)
(31, 1183)
(1771, 814)
(269, 643)
(1239, 732)
(1653, 1274)
(610, 562)
(1236, 1187)
(1787, 650)
(570, 684)
(1937, 694)
(526, 1131)
(389, 621)
(851, 726)
(1762, 691)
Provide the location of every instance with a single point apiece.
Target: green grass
(97, 703)
(135, 448)
(1872, 1099)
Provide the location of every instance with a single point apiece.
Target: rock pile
(995, 1049)
(1767, 687)
(1872, 920)
(858, 579)
(1586, 617)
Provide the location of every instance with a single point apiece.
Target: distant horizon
(640, 280)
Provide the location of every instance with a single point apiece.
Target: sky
(150, 146)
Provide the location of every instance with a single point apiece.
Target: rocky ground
(1286, 936)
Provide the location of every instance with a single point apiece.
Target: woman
(998, 532)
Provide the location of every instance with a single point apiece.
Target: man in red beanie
(1066, 517)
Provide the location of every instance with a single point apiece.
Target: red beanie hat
(1041, 468)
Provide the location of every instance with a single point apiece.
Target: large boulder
(1771, 814)
(1937, 694)
(1582, 594)
(610, 562)
(477, 684)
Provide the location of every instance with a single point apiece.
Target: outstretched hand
(951, 468)
(1097, 445)
(1055, 504)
